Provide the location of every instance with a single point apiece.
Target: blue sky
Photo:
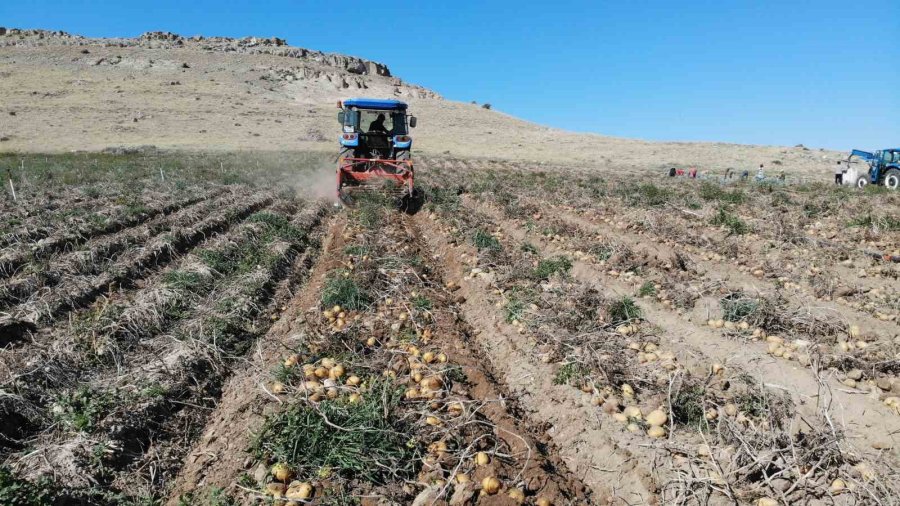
(822, 73)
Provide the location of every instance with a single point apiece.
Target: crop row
(145, 391)
(588, 331)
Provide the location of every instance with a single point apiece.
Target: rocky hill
(63, 92)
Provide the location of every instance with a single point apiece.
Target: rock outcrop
(168, 40)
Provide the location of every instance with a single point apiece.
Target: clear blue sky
(822, 73)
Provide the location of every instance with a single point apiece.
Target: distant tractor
(375, 151)
(884, 169)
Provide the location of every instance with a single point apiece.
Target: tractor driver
(377, 126)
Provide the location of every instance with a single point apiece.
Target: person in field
(839, 173)
(377, 126)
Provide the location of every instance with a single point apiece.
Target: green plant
(190, 281)
(356, 250)
(370, 209)
(484, 240)
(647, 194)
(714, 192)
(734, 224)
(213, 496)
(550, 266)
(688, 407)
(756, 400)
(154, 390)
(343, 291)
(570, 372)
(421, 303)
(443, 199)
(601, 251)
(277, 225)
(16, 491)
(886, 223)
(647, 289)
(623, 310)
(737, 307)
(514, 310)
(527, 247)
(82, 408)
(367, 440)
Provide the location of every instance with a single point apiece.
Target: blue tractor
(884, 168)
(375, 151)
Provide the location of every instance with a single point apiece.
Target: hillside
(65, 92)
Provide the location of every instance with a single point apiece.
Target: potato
(490, 485)
(282, 472)
(657, 417)
(656, 432)
(516, 495)
(838, 486)
(482, 459)
(633, 412)
(299, 490)
(336, 372)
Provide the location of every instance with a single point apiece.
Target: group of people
(729, 173)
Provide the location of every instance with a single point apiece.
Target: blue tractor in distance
(884, 168)
(375, 151)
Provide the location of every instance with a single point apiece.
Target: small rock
(462, 493)
(428, 496)
(260, 473)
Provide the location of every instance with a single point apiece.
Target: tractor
(375, 151)
(884, 168)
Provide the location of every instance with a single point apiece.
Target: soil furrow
(94, 259)
(851, 408)
(77, 292)
(13, 260)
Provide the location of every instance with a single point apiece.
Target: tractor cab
(884, 168)
(375, 128)
(375, 150)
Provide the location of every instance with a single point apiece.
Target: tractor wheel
(861, 182)
(892, 179)
(411, 204)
